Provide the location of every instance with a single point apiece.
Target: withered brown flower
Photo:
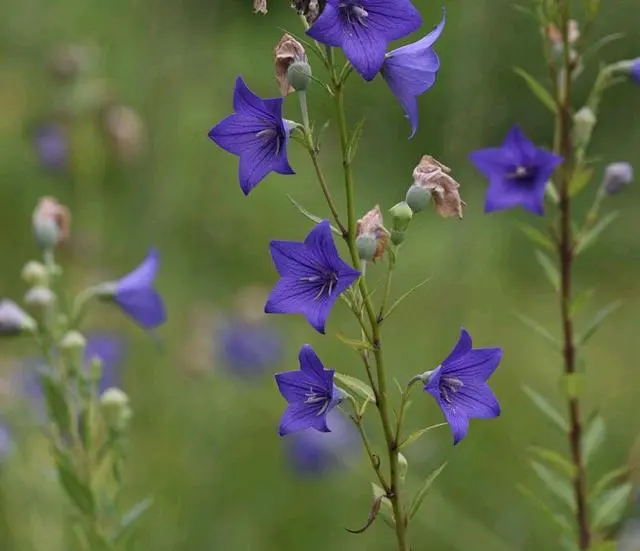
(371, 224)
(435, 177)
(48, 208)
(286, 52)
(260, 6)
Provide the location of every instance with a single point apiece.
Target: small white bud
(34, 273)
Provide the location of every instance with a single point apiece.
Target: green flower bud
(73, 340)
(401, 215)
(367, 246)
(116, 412)
(418, 198)
(583, 123)
(299, 75)
(397, 237)
(46, 233)
(34, 273)
(39, 297)
(403, 466)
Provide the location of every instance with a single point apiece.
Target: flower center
(325, 283)
(313, 397)
(353, 12)
(272, 135)
(448, 386)
(521, 173)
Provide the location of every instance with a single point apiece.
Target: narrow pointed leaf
(610, 506)
(558, 519)
(414, 436)
(354, 140)
(550, 269)
(56, 403)
(375, 509)
(590, 237)
(386, 509)
(310, 216)
(79, 493)
(537, 237)
(609, 479)
(424, 490)
(356, 385)
(601, 43)
(538, 89)
(597, 321)
(564, 466)
(354, 343)
(539, 329)
(404, 296)
(579, 180)
(557, 485)
(545, 407)
(579, 301)
(131, 517)
(593, 438)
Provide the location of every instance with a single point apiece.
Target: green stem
(382, 403)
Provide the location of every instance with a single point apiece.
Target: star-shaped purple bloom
(518, 173)
(310, 393)
(411, 70)
(459, 385)
(364, 28)
(135, 295)
(257, 134)
(312, 276)
(635, 71)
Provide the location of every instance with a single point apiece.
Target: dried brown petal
(48, 208)
(554, 34)
(286, 52)
(434, 176)
(372, 224)
(260, 6)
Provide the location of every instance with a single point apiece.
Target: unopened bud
(116, 411)
(417, 198)
(73, 340)
(292, 68)
(616, 177)
(397, 237)
(14, 320)
(403, 466)
(51, 223)
(39, 297)
(371, 234)
(401, 215)
(366, 245)
(34, 273)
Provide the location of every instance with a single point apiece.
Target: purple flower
(364, 28)
(635, 71)
(248, 348)
(256, 133)
(312, 276)
(459, 385)
(518, 173)
(617, 176)
(135, 295)
(310, 393)
(51, 145)
(411, 70)
(6, 442)
(313, 453)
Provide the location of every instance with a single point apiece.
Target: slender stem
(394, 489)
(566, 251)
(313, 153)
(392, 260)
(373, 458)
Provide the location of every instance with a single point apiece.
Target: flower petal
(365, 48)
(327, 29)
(311, 366)
(144, 306)
(493, 160)
(246, 103)
(477, 401)
(503, 193)
(457, 419)
(525, 148)
(293, 385)
(300, 416)
(293, 259)
(393, 20)
(475, 366)
(143, 275)
(236, 133)
(462, 347)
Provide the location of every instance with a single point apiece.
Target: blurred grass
(206, 448)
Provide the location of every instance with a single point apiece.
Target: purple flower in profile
(257, 134)
(518, 173)
(364, 28)
(51, 146)
(248, 348)
(411, 70)
(635, 71)
(135, 295)
(617, 176)
(313, 453)
(312, 276)
(310, 393)
(6, 442)
(459, 385)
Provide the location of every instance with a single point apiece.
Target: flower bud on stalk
(34, 273)
(434, 177)
(584, 122)
(616, 177)
(116, 411)
(14, 320)
(292, 68)
(51, 223)
(372, 236)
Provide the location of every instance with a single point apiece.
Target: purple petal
(503, 193)
(393, 20)
(458, 421)
(327, 29)
(245, 102)
(311, 365)
(236, 133)
(475, 366)
(293, 259)
(516, 140)
(320, 243)
(300, 416)
(462, 347)
(365, 49)
(261, 157)
(477, 401)
(493, 160)
(145, 306)
(293, 385)
(143, 275)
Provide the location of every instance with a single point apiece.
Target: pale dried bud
(554, 34)
(287, 52)
(311, 9)
(126, 131)
(434, 177)
(260, 6)
(51, 222)
(371, 225)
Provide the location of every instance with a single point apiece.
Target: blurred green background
(204, 443)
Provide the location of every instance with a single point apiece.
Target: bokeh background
(204, 440)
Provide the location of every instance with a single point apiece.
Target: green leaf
(579, 301)
(610, 506)
(601, 43)
(555, 459)
(604, 546)
(310, 216)
(405, 295)
(557, 485)
(549, 268)
(354, 343)
(56, 403)
(546, 408)
(537, 237)
(356, 385)
(354, 140)
(580, 178)
(593, 438)
(590, 237)
(539, 329)
(130, 518)
(557, 518)
(538, 90)
(386, 509)
(424, 489)
(608, 479)
(526, 11)
(573, 384)
(597, 321)
(414, 436)
(79, 493)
